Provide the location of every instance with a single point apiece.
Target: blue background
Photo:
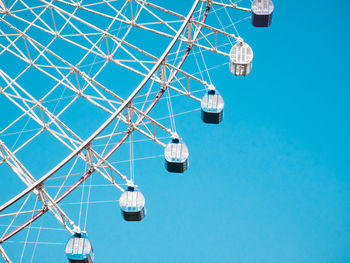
(271, 183)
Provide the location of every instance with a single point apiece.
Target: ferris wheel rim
(122, 107)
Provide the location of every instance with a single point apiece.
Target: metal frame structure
(165, 70)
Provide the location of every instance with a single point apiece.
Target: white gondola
(212, 107)
(176, 156)
(262, 11)
(79, 249)
(132, 205)
(241, 58)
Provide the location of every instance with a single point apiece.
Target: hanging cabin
(262, 11)
(132, 205)
(212, 107)
(176, 156)
(79, 249)
(241, 58)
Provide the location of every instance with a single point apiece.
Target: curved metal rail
(107, 123)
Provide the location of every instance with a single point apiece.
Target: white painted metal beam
(4, 255)
(2, 6)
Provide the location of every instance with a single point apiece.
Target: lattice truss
(64, 62)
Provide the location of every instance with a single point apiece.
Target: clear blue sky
(271, 184)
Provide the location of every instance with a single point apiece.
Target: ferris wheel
(82, 81)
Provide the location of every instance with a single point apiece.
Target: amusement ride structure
(126, 62)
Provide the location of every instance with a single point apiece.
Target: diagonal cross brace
(2, 6)
(49, 203)
(4, 255)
